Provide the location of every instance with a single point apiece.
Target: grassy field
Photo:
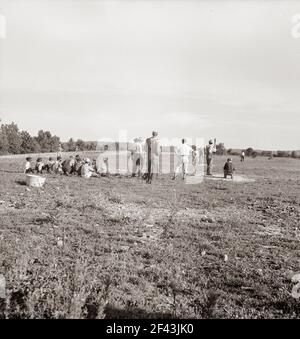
(119, 248)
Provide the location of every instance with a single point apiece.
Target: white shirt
(86, 171)
(184, 150)
(138, 148)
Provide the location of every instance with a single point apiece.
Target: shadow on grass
(112, 312)
(21, 182)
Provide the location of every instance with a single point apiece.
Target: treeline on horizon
(15, 141)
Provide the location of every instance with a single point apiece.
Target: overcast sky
(87, 69)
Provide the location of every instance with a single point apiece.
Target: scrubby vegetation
(118, 248)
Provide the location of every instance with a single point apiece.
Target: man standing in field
(243, 156)
(148, 151)
(210, 149)
(183, 152)
(153, 155)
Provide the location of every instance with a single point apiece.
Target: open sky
(88, 69)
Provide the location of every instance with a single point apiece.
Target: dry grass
(118, 248)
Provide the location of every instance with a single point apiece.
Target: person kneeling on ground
(87, 169)
(28, 167)
(39, 166)
(228, 168)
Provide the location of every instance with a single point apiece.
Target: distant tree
(80, 145)
(229, 151)
(47, 142)
(254, 154)
(13, 136)
(266, 153)
(249, 151)
(221, 150)
(42, 140)
(283, 154)
(64, 146)
(295, 154)
(93, 146)
(29, 144)
(71, 145)
(4, 145)
(54, 144)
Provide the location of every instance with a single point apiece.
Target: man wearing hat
(210, 149)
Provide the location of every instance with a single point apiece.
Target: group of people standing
(153, 153)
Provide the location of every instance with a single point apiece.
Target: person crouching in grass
(228, 168)
(28, 166)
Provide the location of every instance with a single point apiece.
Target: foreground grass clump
(118, 248)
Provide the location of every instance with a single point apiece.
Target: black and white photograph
(149, 162)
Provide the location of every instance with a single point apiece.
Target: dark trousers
(147, 176)
(228, 173)
(209, 166)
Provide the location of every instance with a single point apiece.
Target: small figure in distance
(243, 156)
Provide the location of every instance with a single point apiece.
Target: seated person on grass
(49, 166)
(68, 166)
(87, 169)
(57, 167)
(39, 166)
(28, 166)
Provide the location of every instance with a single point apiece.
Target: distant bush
(283, 154)
(221, 150)
(295, 154)
(268, 154)
(249, 151)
